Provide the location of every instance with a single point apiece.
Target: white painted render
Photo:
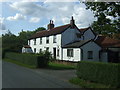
(76, 55)
(26, 50)
(50, 45)
(91, 46)
(68, 36)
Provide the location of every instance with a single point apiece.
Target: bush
(37, 60)
(25, 58)
(4, 50)
(105, 73)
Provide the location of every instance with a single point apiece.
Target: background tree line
(15, 43)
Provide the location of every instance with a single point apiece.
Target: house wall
(104, 57)
(51, 45)
(69, 36)
(76, 55)
(26, 50)
(88, 35)
(91, 46)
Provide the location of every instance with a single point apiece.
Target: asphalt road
(14, 76)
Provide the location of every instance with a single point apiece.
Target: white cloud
(2, 25)
(34, 19)
(2, 19)
(16, 17)
(60, 12)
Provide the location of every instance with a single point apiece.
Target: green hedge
(105, 73)
(28, 58)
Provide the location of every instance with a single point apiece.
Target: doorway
(54, 53)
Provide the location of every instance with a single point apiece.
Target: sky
(23, 15)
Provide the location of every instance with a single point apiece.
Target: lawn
(18, 63)
(87, 84)
(56, 66)
(51, 65)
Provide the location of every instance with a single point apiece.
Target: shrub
(105, 73)
(4, 50)
(25, 58)
(38, 60)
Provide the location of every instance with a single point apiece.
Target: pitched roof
(107, 42)
(53, 31)
(76, 44)
(26, 46)
(84, 29)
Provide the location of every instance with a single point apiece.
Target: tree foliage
(103, 10)
(15, 43)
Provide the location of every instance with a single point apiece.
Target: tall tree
(103, 10)
(39, 29)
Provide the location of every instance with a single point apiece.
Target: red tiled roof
(107, 42)
(26, 46)
(49, 32)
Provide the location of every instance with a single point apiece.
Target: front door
(54, 52)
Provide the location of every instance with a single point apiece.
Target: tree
(102, 10)
(39, 29)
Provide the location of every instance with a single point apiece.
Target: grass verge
(56, 66)
(19, 63)
(87, 84)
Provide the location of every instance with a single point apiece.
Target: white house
(26, 49)
(68, 43)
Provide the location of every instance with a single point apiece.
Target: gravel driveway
(61, 74)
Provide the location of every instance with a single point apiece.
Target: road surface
(14, 76)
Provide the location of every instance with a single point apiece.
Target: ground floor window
(34, 50)
(70, 52)
(90, 54)
(40, 50)
(47, 49)
(58, 52)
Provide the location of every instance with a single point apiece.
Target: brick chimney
(72, 22)
(50, 25)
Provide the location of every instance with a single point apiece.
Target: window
(47, 39)
(54, 39)
(58, 52)
(34, 41)
(90, 54)
(40, 40)
(47, 48)
(34, 50)
(70, 52)
(40, 51)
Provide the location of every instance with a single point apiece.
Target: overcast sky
(16, 16)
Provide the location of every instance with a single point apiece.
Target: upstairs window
(34, 41)
(70, 52)
(90, 54)
(54, 39)
(47, 39)
(40, 40)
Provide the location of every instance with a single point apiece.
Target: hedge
(28, 58)
(105, 73)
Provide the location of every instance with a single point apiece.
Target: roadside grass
(18, 63)
(51, 65)
(56, 66)
(87, 84)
